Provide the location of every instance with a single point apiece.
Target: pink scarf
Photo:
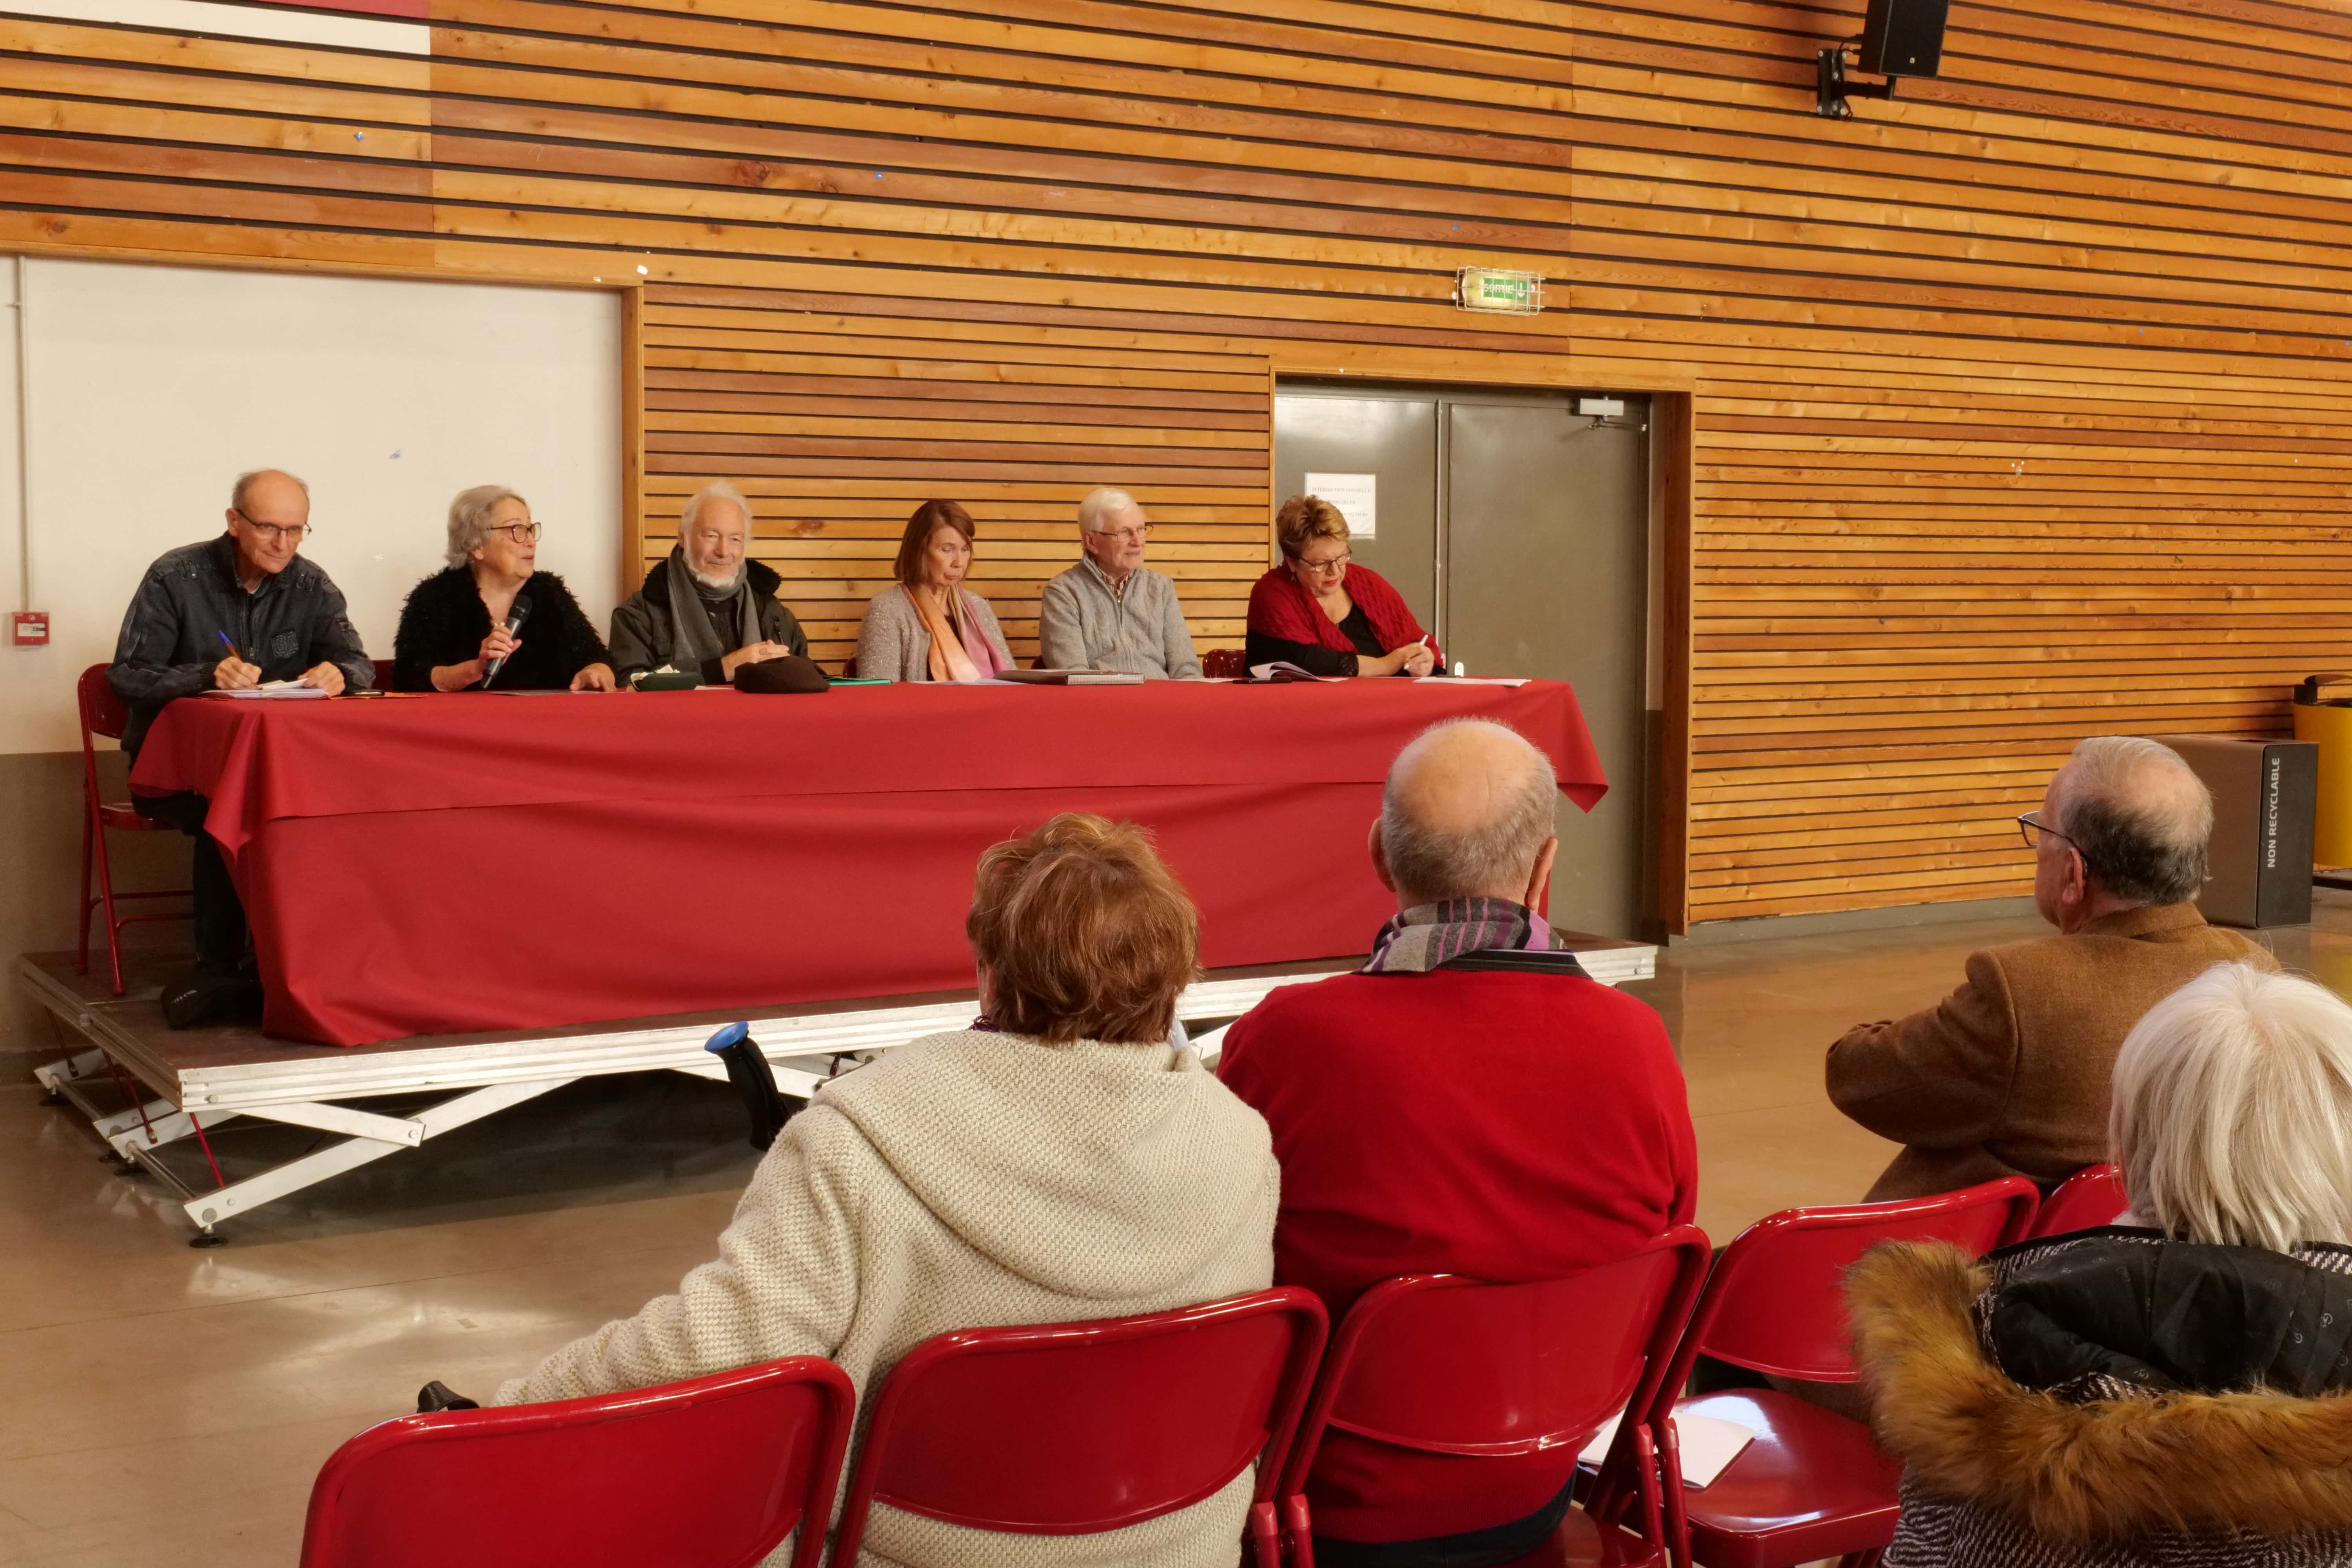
(961, 651)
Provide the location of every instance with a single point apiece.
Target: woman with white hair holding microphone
(2177, 1388)
(493, 618)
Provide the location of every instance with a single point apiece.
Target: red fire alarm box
(29, 629)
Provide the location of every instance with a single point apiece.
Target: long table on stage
(441, 865)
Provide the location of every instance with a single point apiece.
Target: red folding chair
(102, 714)
(1812, 1485)
(1076, 1428)
(383, 673)
(715, 1471)
(1448, 1365)
(1224, 664)
(2091, 1196)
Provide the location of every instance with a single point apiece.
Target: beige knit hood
(1113, 1208)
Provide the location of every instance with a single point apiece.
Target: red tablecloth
(453, 863)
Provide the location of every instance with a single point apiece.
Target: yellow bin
(2323, 713)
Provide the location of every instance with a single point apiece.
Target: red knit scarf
(1279, 607)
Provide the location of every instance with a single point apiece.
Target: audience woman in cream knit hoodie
(1058, 1161)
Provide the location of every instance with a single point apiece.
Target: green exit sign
(1509, 293)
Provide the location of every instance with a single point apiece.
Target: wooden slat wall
(2022, 407)
(837, 417)
(2018, 412)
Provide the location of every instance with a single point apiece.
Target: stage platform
(144, 1086)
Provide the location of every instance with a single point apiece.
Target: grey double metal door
(1518, 531)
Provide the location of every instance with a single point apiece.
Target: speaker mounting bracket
(1831, 89)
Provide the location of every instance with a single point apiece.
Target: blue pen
(230, 645)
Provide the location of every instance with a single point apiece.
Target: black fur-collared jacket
(645, 635)
(445, 622)
(2111, 1399)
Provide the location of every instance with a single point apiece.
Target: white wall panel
(152, 387)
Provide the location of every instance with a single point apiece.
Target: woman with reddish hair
(1059, 1161)
(930, 626)
(1328, 617)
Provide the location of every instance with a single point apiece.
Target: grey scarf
(692, 638)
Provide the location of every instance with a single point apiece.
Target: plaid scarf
(1421, 938)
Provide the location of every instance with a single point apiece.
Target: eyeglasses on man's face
(2031, 827)
(1135, 535)
(291, 532)
(520, 533)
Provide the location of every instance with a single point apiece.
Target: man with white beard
(707, 609)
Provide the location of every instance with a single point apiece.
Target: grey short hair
(1434, 865)
(2231, 1116)
(244, 482)
(2141, 843)
(1100, 504)
(717, 490)
(469, 519)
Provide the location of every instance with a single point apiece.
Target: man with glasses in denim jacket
(229, 614)
(2008, 1075)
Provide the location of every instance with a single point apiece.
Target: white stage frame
(804, 1046)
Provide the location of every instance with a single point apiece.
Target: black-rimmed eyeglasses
(2031, 827)
(273, 531)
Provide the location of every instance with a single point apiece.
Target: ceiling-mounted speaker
(1903, 38)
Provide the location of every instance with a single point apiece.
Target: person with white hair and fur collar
(2171, 1392)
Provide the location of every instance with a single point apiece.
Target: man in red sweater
(1468, 1102)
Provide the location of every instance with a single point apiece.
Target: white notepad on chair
(1707, 1446)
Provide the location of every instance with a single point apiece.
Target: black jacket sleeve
(435, 631)
(556, 616)
(334, 640)
(635, 630)
(784, 627)
(147, 670)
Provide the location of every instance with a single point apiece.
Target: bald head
(2138, 815)
(270, 493)
(1467, 813)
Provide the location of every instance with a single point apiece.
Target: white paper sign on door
(1356, 495)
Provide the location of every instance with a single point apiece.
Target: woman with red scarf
(1325, 616)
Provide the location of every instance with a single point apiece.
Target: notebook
(1069, 677)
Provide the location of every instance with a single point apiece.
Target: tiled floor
(164, 1405)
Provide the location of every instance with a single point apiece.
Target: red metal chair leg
(89, 830)
(1653, 1516)
(1300, 1529)
(106, 898)
(1670, 1468)
(1264, 1536)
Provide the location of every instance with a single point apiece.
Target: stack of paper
(1707, 1446)
(274, 688)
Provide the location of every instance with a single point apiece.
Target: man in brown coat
(2008, 1075)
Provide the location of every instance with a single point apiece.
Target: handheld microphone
(518, 614)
